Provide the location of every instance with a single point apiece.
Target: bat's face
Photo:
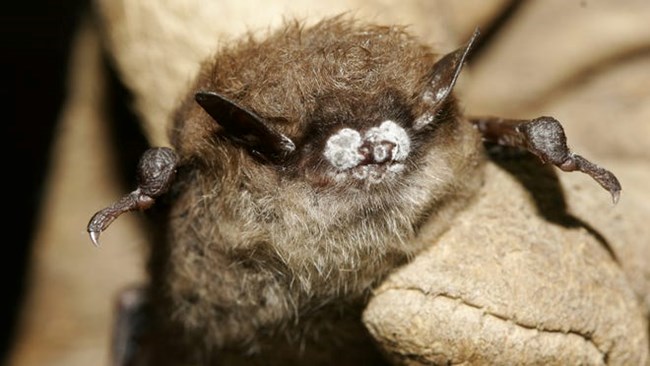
(353, 110)
(366, 146)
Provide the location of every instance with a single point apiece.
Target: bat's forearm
(544, 137)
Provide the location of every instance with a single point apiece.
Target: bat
(304, 168)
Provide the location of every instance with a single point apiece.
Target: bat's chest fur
(239, 260)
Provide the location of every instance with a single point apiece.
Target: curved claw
(604, 177)
(156, 171)
(94, 237)
(616, 195)
(103, 218)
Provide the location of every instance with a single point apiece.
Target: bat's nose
(387, 142)
(377, 152)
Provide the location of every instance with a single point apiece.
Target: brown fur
(264, 258)
(603, 109)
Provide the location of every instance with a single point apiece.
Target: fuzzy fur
(259, 252)
(600, 94)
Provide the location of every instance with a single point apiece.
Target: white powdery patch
(442, 93)
(342, 149)
(396, 168)
(346, 150)
(423, 120)
(430, 99)
(389, 133)
(361, 172)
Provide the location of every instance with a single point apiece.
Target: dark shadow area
(36, 38)
(542, 182)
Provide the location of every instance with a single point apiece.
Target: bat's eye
(371, 156)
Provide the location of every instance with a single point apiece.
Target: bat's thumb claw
(611, 183)
(99, 222)
(94, 237)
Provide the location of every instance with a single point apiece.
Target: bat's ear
(443, 78)
(245, 127)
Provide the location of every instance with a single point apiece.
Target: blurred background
(36, 38)
(585, 62)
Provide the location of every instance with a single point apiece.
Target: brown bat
(304, 168)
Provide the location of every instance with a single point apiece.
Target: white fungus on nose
(387, 142)
(342, 149)
(389, 133)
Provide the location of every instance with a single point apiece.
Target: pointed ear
(245, 127)
(443, 78)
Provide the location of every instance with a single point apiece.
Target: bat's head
(324, 145)
(336, 106)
